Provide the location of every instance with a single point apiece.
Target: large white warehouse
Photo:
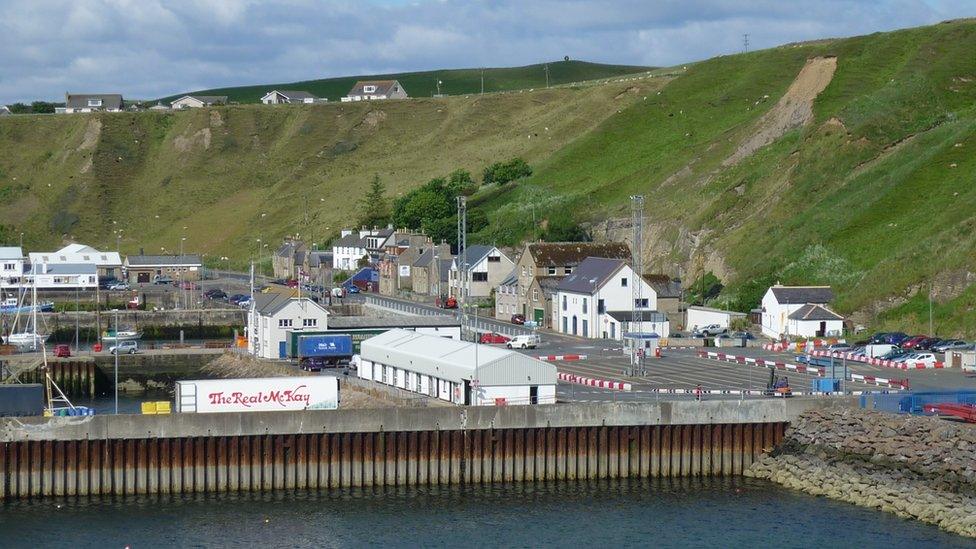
(456, 371)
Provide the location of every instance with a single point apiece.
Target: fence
(914, 403)
(480, 324)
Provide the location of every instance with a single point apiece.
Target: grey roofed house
(317, 258)
(813, 311)
(4, 110)
(802, 294)
(590, 275)
(205, 100)
(645, 316)
(105, 101)
(162, 260)
(296, 94)
(388, 88)
(473, 254)
(350, 241)
(272, 302)
(69, 268)
(510, 280)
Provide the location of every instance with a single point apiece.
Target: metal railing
(914, 403)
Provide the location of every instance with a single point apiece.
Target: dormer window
(94, 102)
(87, 258)
(369, 89)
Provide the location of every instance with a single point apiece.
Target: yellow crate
(163, 407)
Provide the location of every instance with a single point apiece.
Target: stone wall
(916, 467)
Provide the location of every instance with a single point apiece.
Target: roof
(4, 109)
(350, 241)
(160, 260)
(318, 257)
(205, 99)
(714, 310)
(110, 101)
(557, 254)
(455, 361)
(814, 312)
(69, 269)
(590, 275)
(664, 286)
(474, 254)
(11, 252)
(393, 321)
(383, 87)
(549, 284)
(270, 303)
(510, 280)
(646, 316)
(802, 294)
(77, 253)
(292, 94)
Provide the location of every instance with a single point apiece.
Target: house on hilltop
(799, 311)
(371, 90)
(282, 97)
(4, 110)
(199, 101)
(91, 102)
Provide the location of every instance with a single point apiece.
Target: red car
(518, 319)
(62, 351)
(493, 338)
(292, 283)
(913, 341)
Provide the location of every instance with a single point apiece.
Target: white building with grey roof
(596, 301)
(459, 372)
(282, 97)
(487, 267)
(273, 315)
(799, 311)
(198, 101)
(91, 102)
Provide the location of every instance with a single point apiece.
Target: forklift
(777, 386)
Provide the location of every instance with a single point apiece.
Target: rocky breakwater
(916, 467)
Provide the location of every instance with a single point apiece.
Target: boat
(10, 306)
(121, 335)
(27, 339)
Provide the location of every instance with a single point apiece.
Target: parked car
(880, 337)
(215, 293)
(712, 330)
(106, 283)
(896, 354)
(62, 351)
(896, 338)
(237, 298)
(911, 342)
(518, 319)
(126, 347)
(949, 345)
(245, 303)
(160, 280)
(927, 343)
(118, 286)
(839, 347)
(352, 289)
(494, 339)
(291, 283)
(338, 292)
(527, 341)
(915, 358)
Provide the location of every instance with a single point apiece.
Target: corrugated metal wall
(332, 460)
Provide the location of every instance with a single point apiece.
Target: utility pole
(116, 353)
(462, 240)
(547, 75)
(482, 81)
(931, 331)
(637, 264)
(745, 43)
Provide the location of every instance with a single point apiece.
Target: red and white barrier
(591, 382)
(799, 368)
(880, 362)
(880, 381)
(753, 392)
(561, 357)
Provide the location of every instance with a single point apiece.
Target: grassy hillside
(846, 162)
(455, 81)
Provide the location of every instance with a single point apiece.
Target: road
(411, 307)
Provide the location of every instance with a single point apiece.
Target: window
(525, 271)
(9, 266)
(623, 282)
(369, 89)
(601, 307)
(284, 323)
(494, 259)
(479, 277)
(567, 270)
(641, 303)
(310, 322)
(552, 271)
(535, 294)
(564, 308)
(86, 258)
(94, 102)
(584, 310)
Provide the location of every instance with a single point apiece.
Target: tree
(19, 108)
(42, 107)
(503, 172)
(434, 200)
(374, 209)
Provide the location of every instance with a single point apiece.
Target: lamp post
(182, 289)
(116, 353)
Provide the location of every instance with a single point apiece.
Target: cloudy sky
(151, 48)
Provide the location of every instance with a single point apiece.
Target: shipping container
(329, 346)
(22, 399)
(258, 395)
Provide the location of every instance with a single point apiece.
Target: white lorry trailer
(258, 395)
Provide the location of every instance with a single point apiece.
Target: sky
(151, 48)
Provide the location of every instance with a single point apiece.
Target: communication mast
(637, 264)
(462, 245)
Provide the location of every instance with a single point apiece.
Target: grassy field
(454, 81)
(873, 195)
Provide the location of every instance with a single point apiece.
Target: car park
(949, 345)
(493, 338)
(525, 341)
(124, 347)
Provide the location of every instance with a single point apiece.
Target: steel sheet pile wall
(32, 468)
(75, 377)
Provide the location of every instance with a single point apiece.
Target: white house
(12, 263)
(372, 90)
(108, 264)
(597, 299)
(4, 110)
(64, 276)
(198, 101)
(280, 97)
(91, 102)
(487, 267)
(460, 372)
(348, 250)
(699, 317)
(799, 311)
(274, 315)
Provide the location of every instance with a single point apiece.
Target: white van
(528, 341)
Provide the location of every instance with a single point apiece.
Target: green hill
(454, 81)
(848, 162)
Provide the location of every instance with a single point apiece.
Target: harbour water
(664, 513)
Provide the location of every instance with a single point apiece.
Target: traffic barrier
(561, 357)
(755, 392)
(880, 362)
(591, 382)
(821, 372)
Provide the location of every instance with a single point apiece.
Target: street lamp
(116, 353)
(182, 289)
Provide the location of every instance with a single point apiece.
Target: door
(574, 324)
(565, 331)
(586, 328)
(613, 331)
(823, 329)
(282, 350)
(467, 393)
(539, 315)
(142, 278)
(533, 394)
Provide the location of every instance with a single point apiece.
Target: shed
(699, 317)
(456, 371)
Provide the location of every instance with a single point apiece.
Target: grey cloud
(150, 48)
